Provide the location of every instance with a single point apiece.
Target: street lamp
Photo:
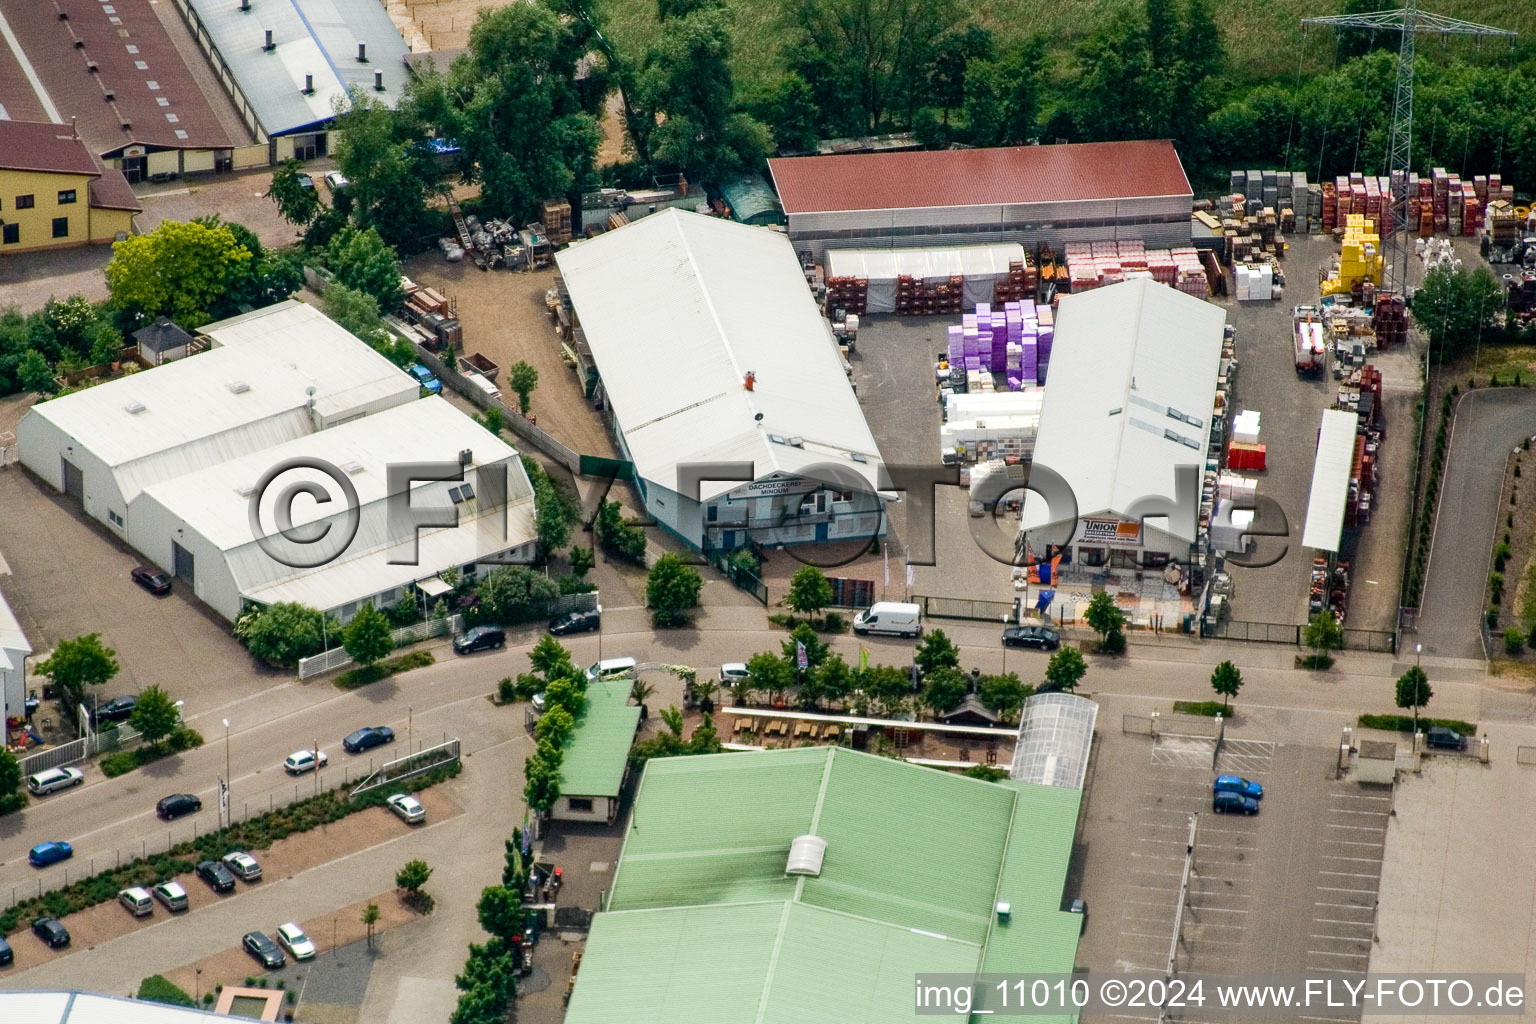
(1005, 644)
(1418, 654)
(226, 798)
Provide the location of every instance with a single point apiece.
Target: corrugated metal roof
(704, 926)
(90, 1008)
(1330, 480)
(191, 419)
(677, 309)
(599, 745)
(1124, 357)
(317, 38)
(1055, 739)
(12, 638)
(752, 201)
(978, 177)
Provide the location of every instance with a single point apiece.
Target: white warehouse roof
(1330, 480)
(215, 503)
(309, 37)
(248, 393)
(1129, 396)
(88, 1008)
(11, 636)
(678, 308)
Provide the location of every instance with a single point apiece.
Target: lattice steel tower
(1410, 21)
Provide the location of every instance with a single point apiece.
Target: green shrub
(1514, 640)
(834, 622)
(157, 989)
(506, 690)
(1404, 723)
(207, 998)
(363, 675)
(1204, 708)
(120, 763)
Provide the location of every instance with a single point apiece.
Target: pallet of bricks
(1297, 205)
(1390, 319)
(1023, 282)
(557, 221)
(1363, 397)
(1091, 264)
(916, 297)
(850, 294)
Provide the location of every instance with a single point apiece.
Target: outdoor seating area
(912, 742)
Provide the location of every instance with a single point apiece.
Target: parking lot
(1291, 889)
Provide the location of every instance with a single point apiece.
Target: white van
(889, 618)
(137, 901)
(612, 668)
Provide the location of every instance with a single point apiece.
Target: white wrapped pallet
(983, 405)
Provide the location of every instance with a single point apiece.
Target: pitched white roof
(677, 309)
(1126, 358)
(11, 636)
(191, 413)
(88, 1008)
(1330, 480)
(215, 503)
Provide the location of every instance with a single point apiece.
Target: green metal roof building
(597, 755)
(752, 201)
(706, 926)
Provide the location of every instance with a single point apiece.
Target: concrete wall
(603, 810)
(13, 686)
(34, 226)
(43, 449)
(153, 528)
(106, 225)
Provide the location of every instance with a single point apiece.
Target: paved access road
(1489, 424)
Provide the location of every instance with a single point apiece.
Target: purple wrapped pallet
(983, 308)
(1027, 307)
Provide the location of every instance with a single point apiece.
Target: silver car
(242, 865)
(408, 807)
(54, 779)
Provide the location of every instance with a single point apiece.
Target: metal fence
(745, 579)
(337, 657)
(513, 420)
(1381, 641)
(59, 756)
(409, 766)
(1140, 725)
(963, 608)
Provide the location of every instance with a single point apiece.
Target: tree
(705, 738)
(1413, 692)
(269, 276)
(500, 911)
(78, 663)
(833, 678)
(816, 649)
(371, 918)
(389, 167)
(616, 536)
(549, 657)
(488, 982)
(985, 772)
(11, 796)
(953, 56)
(180, 270)
(1226, 680)
(1454, 306)
(567, 692)
(367, 637)
(361, 259)
(887, 689)
(34, 373)
(555, 725)
(1003, 695)
(541, 786)
(285, 632)
(1065, 670)
(294, 194)
(944, 689)
(581, 561)
(1113, 63)
(766, 673)
(516, 593)
(936, 651)
(1323, 635)
(551, 524)
(788, 108)
(1001, 97)
(1105, 618)
(522, 379)
(155, 715)
(671, 588)
(356, 311)
(809, 590)
(687, 82)
(412, 876)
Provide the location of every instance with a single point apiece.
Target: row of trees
(489, 979)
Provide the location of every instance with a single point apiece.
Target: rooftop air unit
(805, 856)
(135, 407)
(352, 467)
(245, 5)
(109, 95)
(238, 387)
(246, 491)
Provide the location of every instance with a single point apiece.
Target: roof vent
(466, 456)
(378, 81)
(776, 439)
(63, 16)
(238, 387)
(352, 467)
(796, 442)
(309, 85)
(267, 46)
(79, 43)
(135, 407)
(805, 855)
(109, 95)
(858, 457)
(245, 5)
(750, 380)
(90, 66)
(1004, 912)
(125, 124)
(362, 53)
(246, 491)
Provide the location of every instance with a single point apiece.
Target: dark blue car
(1236, 784)
(44, 854)
(367, 738)
(1224, 802)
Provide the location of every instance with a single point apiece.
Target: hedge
(1404, 723)
(1205, 708)
(157, 989)
(256, 833)
(353, 678)
(125, 761)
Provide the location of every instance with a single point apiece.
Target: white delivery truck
(484, 384)
(889, 618)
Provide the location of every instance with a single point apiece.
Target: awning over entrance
(433, 586)
(1330, 480)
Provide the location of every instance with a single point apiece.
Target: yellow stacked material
(1360, 259)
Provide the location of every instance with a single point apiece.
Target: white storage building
(14, 649)
(712, 353)
(1128, 405)
(1027, 194)
(198, 525)
(981, 267)
(273, 375)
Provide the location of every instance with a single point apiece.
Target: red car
(154, 580)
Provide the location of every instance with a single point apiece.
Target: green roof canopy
(752, 201)
(599, 745)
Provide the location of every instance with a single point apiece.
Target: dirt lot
(235, 197)
(30, 279)
(284, 859)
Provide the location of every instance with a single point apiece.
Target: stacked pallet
(850, 294)
(1390, 321)
(1090, 265)
(1023, 282)
(1501, 224)
(557, 221)
(916, 297)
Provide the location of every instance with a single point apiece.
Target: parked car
(732, 672)
(151, 578)
(1441, 738)
(171, 894)
(889, 618)
(305, 181)
(242, 865)
(427, 379)
(336, 180)
(611, 670)
(118, 709)
(1225, 802)
(480, 638)
(217, 876)
(301, 761)
(177, 805)
(1236, 784)
(44, 854)
(1079, 906)
(261, 946)
(292, 938)
(52, 931)
(1041, 638)
(408, 807)
(576, 622)
(137, 901)
(54, 779)
(367, 738)
(7, 955)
